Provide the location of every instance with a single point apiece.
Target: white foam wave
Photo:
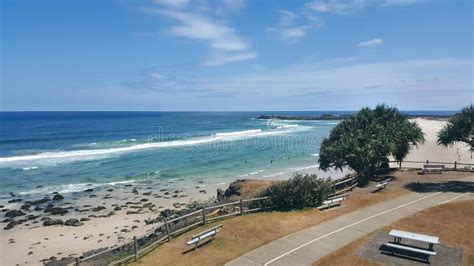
(273, 175)
(252, 173)
(70, 188)
(94, 154)
(29, 168)
(306, 167)
(315, 154)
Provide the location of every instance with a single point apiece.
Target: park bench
(399, 235)
(382, 184)
(433, 168)
(212, 232)
(333, 201)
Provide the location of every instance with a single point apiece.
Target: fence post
(167, 230)
(135, 247)
(400, 164)
(455, 165)
(78, 261)
(427, 162)
(241, 207)
(204, 215)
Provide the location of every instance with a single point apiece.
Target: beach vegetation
(460, 128)
(299, 192)
(365, 140)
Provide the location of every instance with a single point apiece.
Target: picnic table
(399, 235)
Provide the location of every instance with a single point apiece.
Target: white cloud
(294, 33)
(371, 43)
(225, 44)
(341, 7)
(225, 58)
(288, 29)
(334, 84)
(337, 6)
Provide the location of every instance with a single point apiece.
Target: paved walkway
(307, 246)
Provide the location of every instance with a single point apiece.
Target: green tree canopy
(365, 140)
(459, 128)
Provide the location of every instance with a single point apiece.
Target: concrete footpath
(307, 246)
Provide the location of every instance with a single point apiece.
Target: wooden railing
(170, 228)
(457, 166)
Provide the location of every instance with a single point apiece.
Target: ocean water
(42, 152)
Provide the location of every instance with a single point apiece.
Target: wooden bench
(399, 235)
(382, 184)
(433, 168)
(212, 232)
(333, 201)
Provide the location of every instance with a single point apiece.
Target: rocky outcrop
(72, 222)
(58, 197)
(50, 222)
(55, 210)
(14, 213)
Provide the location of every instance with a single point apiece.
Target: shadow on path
(450, 186)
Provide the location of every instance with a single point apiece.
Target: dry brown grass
(244, 233)
(451, 222)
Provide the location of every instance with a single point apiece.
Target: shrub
(300, 191)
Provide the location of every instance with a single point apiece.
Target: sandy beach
(115, 214)
(431, 151)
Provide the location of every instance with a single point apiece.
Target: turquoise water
(67, 151)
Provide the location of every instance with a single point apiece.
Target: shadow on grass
(450, 186)
(198, 247)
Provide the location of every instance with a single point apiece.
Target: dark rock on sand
(110, 190)
(73, 222)
(144, 200)
(117, 208)
(12, 224)
(176, 205)
(84, 219)
(14, 213)
(135, 191)
(40, 201)
(98, 208)
(147, 193)
(55, 210)
(203, 191)
(88, 190)
(15, 200)
(25, 206)
(52, 222)
(58, 197)
(32, 217)
(166, 213)
(7, 220)
(38, 208)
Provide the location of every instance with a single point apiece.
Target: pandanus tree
(365, 140)
(460, 128)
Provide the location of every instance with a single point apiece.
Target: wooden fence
(456, 166)
(168, 229)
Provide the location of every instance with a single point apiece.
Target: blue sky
(235, 54)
